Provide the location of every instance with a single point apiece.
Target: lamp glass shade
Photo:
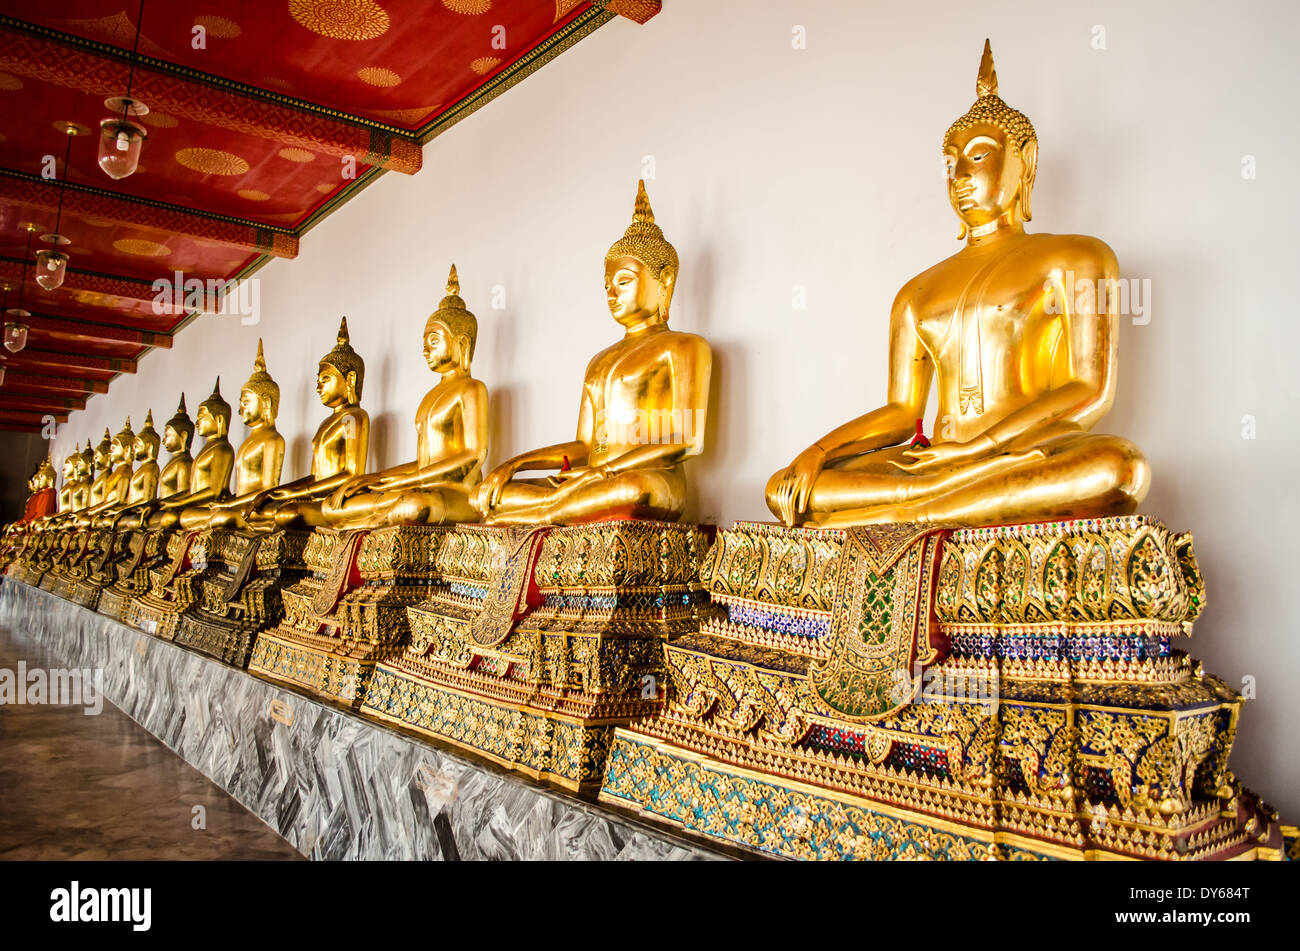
(15, 336)
(120, 141)
(51, 267)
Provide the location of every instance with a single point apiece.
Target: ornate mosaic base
(763, 813)
(243, 598)
(140, 553)
(349, 613)
(177, 586)
(534, 670)
(1047, 700)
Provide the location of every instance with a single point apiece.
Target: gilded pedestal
(541, 641)
(177, 584)
(141, 552)
(1009, 692)
(350, 612)
(242, 597)
(67, 562)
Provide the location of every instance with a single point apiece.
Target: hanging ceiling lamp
(121, 139)
(7, 289)
(52, 264)
(16, 329)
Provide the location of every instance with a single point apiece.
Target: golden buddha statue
(260, 457)
(338, 450)
(209, 473)
(451, 429)
(1022, 371)
(643, 409)
(143, 485)
(70, 466)
(79, 476)
(173, 480)
(116, 480)
(102, 462)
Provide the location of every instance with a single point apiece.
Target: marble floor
(101, 787)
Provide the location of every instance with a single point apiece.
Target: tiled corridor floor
(101, 787)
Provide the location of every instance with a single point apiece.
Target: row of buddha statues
(1020, 384)
(555, 615)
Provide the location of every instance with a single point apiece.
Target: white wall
(820, 167)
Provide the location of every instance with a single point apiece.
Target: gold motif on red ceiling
(275, 82)
(118, 29)
(252, 194)
(160, 120)
(341, 19)
(141, 248)
(219, 27)
(562, 7)
(297, 155)
(212, 161)
(98, 222)
(405, 115)
(468, 7)
(325, 188)
(484, 65)
(10, 83)
(378, 76)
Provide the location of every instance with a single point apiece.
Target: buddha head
(179, 431)
(992, 157)
(103, 455)
(46, 473)
(123, 444)
(87, 468)
(640, 269)
(259, 400)
(70, 464)
(213, 417)
(451, 332)
(145, 447)
(341, 373)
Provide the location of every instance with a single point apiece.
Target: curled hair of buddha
(261, 384)
(990, 109)
(148, 435)
(453, 314)
(344, 359)
(181, 422)
(643, 239)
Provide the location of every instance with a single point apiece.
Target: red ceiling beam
(9, 427)
(30, 56)
(59, 384)
(15, 272)
(33, 418)
(58, 360)
(35, 403)
(80, 201)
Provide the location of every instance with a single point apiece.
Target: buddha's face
(205, 423)
(332, 386)
(118, 452)
(634, 294)
(250, 406)
(172, 439)
(441, 350)
(985, 173)
(103, 455)
(69, 468)
(144, 449)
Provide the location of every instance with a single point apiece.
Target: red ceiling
(289, 107)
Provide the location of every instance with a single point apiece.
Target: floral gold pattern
(212, 161)
(341, 19)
